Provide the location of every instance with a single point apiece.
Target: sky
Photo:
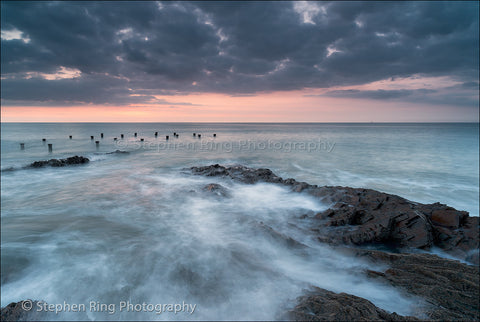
(247, 61)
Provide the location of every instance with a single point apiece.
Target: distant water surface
(424, 162)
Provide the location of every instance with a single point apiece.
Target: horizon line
(254, 122)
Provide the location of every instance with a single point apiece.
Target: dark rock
(60, 162)
(118, 152)
(446, 218)
(450, 290)
(322, 305)
(300, 186)
(16, 312)
(369, 216)
(280, 238)
(451, 287)
(238, 173)
(216, 189)
(364, 216)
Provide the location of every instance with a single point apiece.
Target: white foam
(159, 238)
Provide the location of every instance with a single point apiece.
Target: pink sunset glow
(287, 106)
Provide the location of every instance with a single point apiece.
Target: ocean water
(128, 229)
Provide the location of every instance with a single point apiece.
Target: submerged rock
(359, 216)
(216, 189)
(118, 152)
(60, 162)
(278, 237)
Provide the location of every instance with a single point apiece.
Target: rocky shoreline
(359, 217)
(362, 223)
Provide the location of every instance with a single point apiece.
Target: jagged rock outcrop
(451, 287)
(359, 216)
(239, 173)
(17, 312)
(322, 305)
(60, 162)
(365, 216)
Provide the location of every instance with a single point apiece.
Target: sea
(134, 236)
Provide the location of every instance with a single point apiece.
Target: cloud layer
(120, 53)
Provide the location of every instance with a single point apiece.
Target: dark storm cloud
(378, 94)
(448, 96)
(78, 91)
(239, 48)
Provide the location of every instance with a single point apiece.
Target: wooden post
(156, 134)
(135, 134)
(114, 139)
(166, 138)
(194, 134)
(70, 137)
(50, 147)
(214, 135)
(44, 140)
(22, 146)
(199, 136)
(141, 140)
(121, 135)
(97, 144)
(91, 137)
(101, 135)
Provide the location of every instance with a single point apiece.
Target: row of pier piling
(97, 143)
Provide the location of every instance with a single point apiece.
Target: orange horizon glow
(291, 106)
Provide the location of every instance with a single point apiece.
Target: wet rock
(238, 173)
(216, 189)
(446, 218)
(60, 162)
(280, 238)
(322, 305)
(451, 287)
(118, 152)
(363, 216)
(454, 231)
(16, 312)
(300, 186)
(369, 216)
